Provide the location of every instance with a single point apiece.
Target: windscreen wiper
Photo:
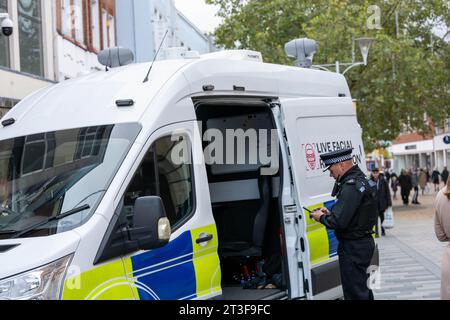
(5, 232)
(48, 220)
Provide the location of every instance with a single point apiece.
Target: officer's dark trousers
(354, 260)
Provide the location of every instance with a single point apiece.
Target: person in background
(435, 179)
(415, 185)
(394, 185)
(393, 174)
(384, 196)
(428, 172)
(405, 186)
(442, 230)
(444, 175)
(387, 175)
(422, 180)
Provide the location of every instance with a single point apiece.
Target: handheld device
(307, 210)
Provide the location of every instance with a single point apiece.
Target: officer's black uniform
(353, 218)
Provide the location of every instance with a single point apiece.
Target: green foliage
(409, 65)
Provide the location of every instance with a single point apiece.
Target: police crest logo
(310, 156)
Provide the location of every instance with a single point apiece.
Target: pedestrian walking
(444, 175)
(422, 180)
(404, 181)
(394, 186)
(415, 186)
(442, 229)
(384, 196)
(353, 218)
(435, 178)
(387, 175)
(427, 187)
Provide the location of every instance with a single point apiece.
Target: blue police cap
(336, 157)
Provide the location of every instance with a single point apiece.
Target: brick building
(83, 28)
(53, 40)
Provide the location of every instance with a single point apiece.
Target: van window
(161, 175)
(48, 174)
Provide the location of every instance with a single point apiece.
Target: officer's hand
(316, 214)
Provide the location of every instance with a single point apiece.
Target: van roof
(91, 99)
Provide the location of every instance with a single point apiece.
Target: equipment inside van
(190, 185)
(245, 203)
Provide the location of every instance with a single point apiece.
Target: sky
(199, 13)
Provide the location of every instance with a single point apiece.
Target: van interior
(244, 202)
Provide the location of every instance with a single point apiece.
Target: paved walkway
(410, 254)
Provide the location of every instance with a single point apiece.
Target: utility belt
(355, 235)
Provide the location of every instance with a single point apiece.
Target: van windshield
(48, 174)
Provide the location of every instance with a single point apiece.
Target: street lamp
(364, 45)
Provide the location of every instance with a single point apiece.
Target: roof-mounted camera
(302, 50)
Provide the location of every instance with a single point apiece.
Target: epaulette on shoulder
(351, 181)
(372, 183)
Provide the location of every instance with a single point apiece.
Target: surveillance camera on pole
(302, 50)
(7, 24)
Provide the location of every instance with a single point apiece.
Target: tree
(407, 79)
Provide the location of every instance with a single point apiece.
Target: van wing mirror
(151, 228)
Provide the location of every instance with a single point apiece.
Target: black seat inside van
(242, 225)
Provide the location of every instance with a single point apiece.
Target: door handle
(204, 238)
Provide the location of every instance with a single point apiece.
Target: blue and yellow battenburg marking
(322, 241)
(180, 270)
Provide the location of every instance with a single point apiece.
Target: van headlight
(43, 283)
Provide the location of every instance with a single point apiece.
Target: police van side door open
(313, 126)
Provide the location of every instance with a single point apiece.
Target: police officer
(353, 218)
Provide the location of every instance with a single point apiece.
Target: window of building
(95, 24)
(78, 21)
(30, 36)
(105, 29)
(72, 20)
(88, 23)
(4, 42)
(66, 17)
(111, 31)
(158, 175)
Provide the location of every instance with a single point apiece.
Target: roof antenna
(156, 55)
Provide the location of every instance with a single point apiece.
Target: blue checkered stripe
(337, 160)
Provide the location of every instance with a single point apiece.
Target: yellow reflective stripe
(206, 261)
(319, 250)
(107, 282)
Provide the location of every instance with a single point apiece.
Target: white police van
(96, 204)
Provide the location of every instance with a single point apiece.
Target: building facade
(26, 57)
(142, 24)
(83, 28)
(53, 40)
(414, 151)
(441, 142)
